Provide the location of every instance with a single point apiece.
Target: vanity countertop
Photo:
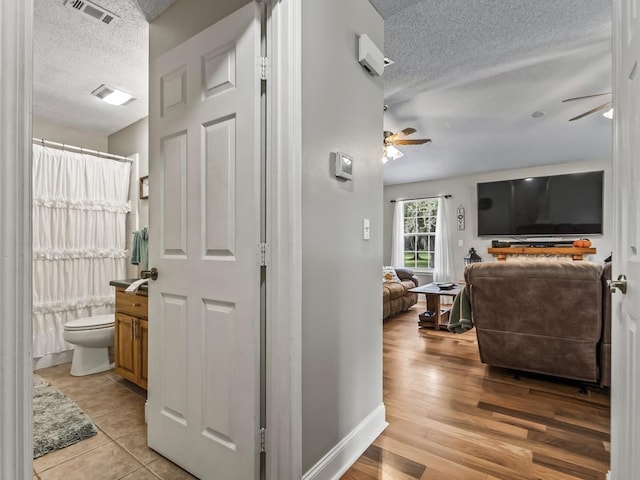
(125, 283)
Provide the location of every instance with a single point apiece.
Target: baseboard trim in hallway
(340, 458)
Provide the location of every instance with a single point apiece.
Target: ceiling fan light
(608, 114)
(391, 153)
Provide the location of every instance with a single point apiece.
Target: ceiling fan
(392, 139)
(593, 110)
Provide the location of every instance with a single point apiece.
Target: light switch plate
(366, 229)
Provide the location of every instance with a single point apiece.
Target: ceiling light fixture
(391, 153)
(113, 96)
(608, 114)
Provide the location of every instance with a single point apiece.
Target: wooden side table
(436, 316)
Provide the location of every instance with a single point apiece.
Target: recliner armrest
(406, 274)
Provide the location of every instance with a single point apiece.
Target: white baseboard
(53, 359)
(340, 458)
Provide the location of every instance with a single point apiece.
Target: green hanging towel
(460, 314)
(140, 249)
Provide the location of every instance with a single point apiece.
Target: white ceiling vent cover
(93, 10)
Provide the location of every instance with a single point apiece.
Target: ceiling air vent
(94, 10)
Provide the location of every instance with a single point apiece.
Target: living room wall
(341, 293)
(463, 191)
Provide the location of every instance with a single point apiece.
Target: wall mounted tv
(557, 205)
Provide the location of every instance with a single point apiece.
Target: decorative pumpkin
(582, 243)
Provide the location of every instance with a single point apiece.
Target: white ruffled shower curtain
(80, 204)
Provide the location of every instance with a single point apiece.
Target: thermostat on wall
(344, 165)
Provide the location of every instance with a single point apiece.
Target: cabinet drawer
(132, 304)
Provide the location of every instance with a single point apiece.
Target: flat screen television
(557, 205)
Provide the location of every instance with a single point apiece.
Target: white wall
(463, 190)
(56, 132)
(341, 303)
(131, 140)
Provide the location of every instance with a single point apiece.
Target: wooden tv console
(576, 253)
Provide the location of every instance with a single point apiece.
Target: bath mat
(57, 421)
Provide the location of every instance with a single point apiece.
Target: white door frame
(284, 312)
(16, 31)
(284, 233)
(625, 434)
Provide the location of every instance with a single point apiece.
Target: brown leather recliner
(546, 317)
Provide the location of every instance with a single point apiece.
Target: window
(420, 233)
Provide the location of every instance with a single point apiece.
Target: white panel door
(204, 179)
(625, 389)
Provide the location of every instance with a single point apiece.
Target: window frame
(433, 217)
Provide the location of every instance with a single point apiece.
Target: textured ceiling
(75, 53)
(469, 74)
(152, 8)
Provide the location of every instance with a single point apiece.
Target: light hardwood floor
(451, 417)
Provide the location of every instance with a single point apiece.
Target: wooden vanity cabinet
(130, 343)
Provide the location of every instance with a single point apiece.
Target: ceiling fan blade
(418, 141)
(390, 139)
(408, 131)
(593, 110)
(585, 96)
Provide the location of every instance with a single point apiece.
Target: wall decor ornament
(460, 218)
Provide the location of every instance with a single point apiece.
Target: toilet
(91, 338)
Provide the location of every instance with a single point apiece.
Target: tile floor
(119, 450)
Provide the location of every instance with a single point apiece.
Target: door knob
(152, 274)
(620, 284)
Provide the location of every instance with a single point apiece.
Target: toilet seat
(91, 323)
